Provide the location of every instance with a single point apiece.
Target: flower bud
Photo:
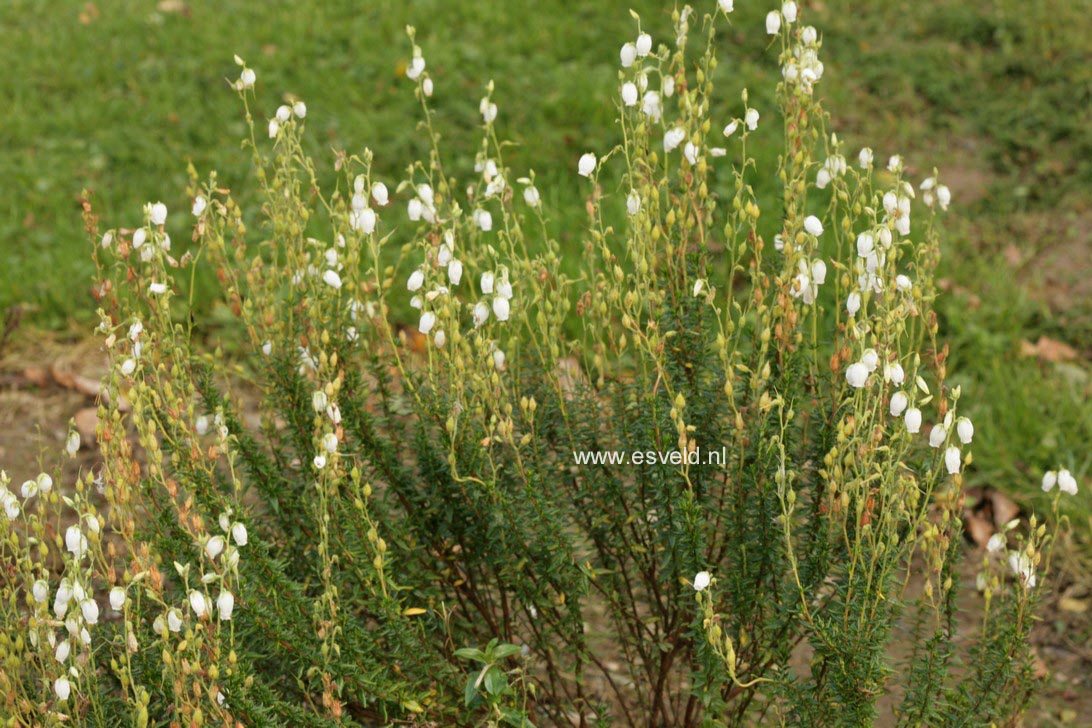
(773, 22)
(702, 580)
(225, 605)
(628, 55)
(117, 598)
(952, 460)
(937, 435)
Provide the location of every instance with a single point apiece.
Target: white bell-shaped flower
(857, 375)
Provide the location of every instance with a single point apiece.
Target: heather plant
(417, 526)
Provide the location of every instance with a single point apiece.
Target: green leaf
(471, 653)
(515, 718)
(496, 681)
(470, 692)
(504, 651)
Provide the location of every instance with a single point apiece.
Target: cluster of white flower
(803, 67)
(155, 217)
(750, 118)
(201, 426)
(224, 547)
(1020, 563)
(73, 590)
(422, 207)
(136, 348)
(283, 115)
(247, 77)
(933, 193)
(632, 51)
(497, 286)
(363, 217)
(872, 249)
(773, 18)
(1063, 479)
(445, 258)
(415, 69)
(1023, 568)
(9, 502)
(495, 182)
(896, 206)
(488, 110)
(41, 485)
(635, 90)
(833, 168)
(812, 275)
(322, 405)
(857, 375)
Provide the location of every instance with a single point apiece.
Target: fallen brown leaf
(86, 420)
(89, 14)
(1074, 606)
(173, 6)
(988, 510)
(86, 386)
(1004, 508)
(1013, 256)
(38, 376)
(415, 340)
(1039, 667)
(978, 528)
(1047, 349)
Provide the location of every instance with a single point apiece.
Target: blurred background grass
(118, 95)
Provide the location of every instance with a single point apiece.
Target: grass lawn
(118, 95)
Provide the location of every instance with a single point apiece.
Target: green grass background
(118, 95)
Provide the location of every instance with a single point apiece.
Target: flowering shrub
(406, 532)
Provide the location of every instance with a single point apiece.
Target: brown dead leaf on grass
(89, 14)
(86, 420)
(36, 376)
(86, 386)
(1071, 604)
(173, 7)
(1049, 350)
(415, 340)
(987, 510)
(979, 528)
